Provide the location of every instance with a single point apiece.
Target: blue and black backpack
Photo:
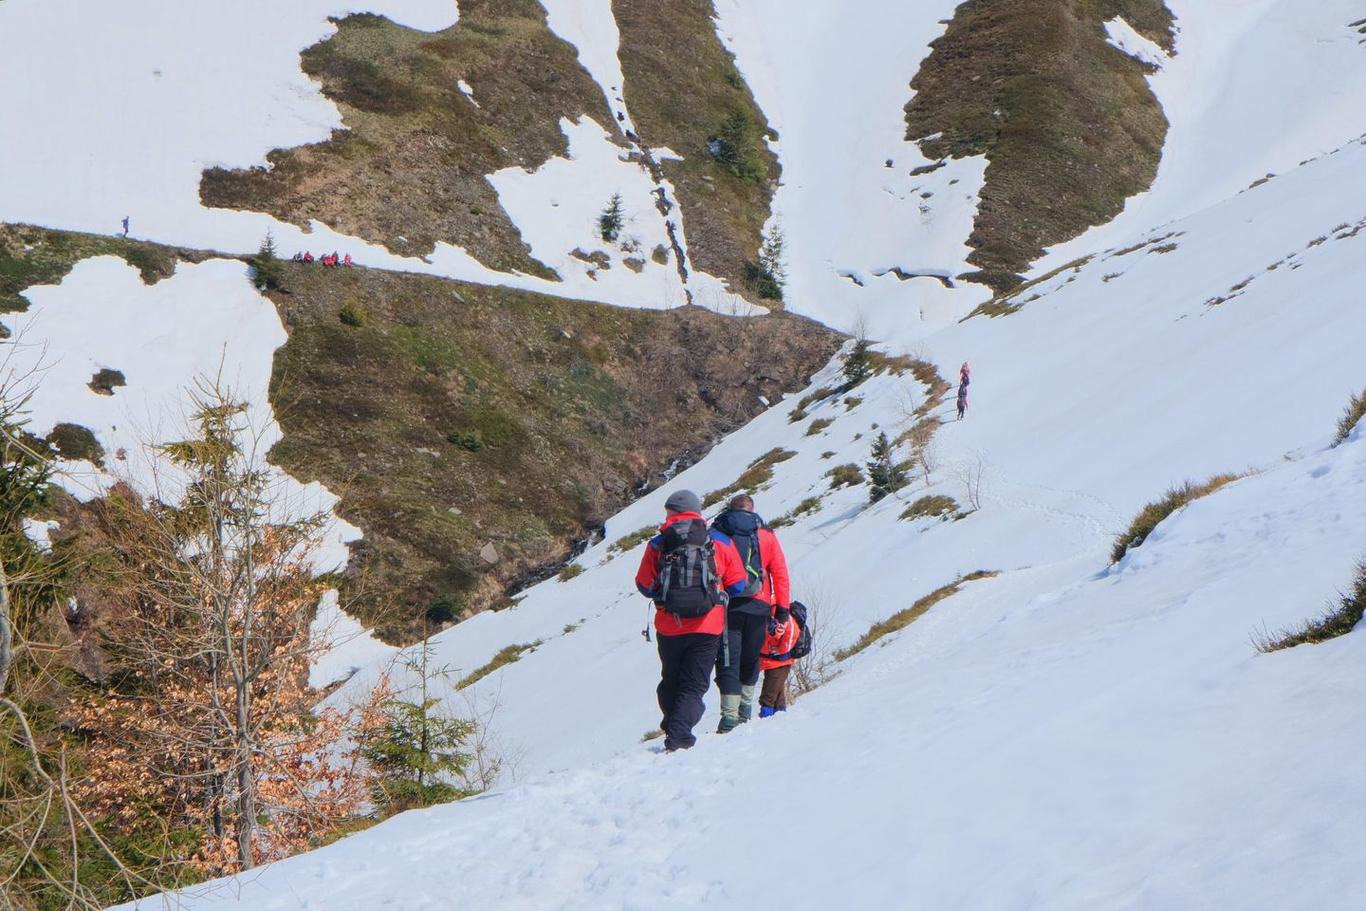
(742, 527)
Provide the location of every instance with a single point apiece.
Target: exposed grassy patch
(1151, 515)
(1351, 416)
(852, 401)
(848, 475)
(39, 256)
(461, 416)
(904, 618)
(412, 161)
(1337, 620)
(931, 507)
(1011, 301)
(652, 734)
(817, 395)
(759, 473)
(804, 508)
(819, 425)
(505, 656)
(105, 380)
(633, 540)
(72, 441)
(1068, 122)
(684, 90)
(570, 571)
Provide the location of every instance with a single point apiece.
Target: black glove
(782, 615)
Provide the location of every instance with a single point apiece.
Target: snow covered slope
(1061, 737)
(1067, 734)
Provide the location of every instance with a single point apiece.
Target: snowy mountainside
(1066, 734)
(1063, 736)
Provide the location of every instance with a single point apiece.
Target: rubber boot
(730, 714)
(747, 701)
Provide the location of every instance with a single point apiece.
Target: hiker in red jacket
(689, 573)
(776, 662)
(764, 597)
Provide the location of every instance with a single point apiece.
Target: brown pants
(774, 693)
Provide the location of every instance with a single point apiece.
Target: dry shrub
(1150, 516)
(904, 618)
(1351, 416)
(1337, 620)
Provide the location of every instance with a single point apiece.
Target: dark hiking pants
(685, 675)
(747, 629)
(774, 693)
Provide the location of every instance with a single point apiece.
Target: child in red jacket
(776, 662)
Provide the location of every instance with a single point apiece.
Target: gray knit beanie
(683, 501)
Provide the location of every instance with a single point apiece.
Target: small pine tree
(884, 474)
(735, 148)
(266, 265)
(858, 366)
(418, 749)
(768, 276)
(610, 221)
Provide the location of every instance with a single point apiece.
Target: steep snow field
(833, 86)
(1062, 737)
(1067, 734)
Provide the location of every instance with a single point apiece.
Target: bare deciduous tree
(212, 721)
(972, 473)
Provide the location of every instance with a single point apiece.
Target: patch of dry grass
(505, 656)
(1150, 516)
(1351, 416)
(759, 473)
(931, 507)
(904, 618)
(1337, 620)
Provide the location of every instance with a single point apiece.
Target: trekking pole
(646, 630)
(725, 638)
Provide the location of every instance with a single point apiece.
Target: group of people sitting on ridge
(327, 259)
(722, 601)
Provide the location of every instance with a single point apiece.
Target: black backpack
(742, 527)
(688, 583)
(803, 646)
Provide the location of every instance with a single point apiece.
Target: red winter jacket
(780, 642)
(728, 567)
(777, 589)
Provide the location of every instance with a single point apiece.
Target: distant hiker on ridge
(964, 378)
(125, 226)
(763, 598)
(689, 573)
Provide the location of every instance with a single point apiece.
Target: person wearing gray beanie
(689, 573)
(683, 501)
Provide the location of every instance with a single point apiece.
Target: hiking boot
(766, 711)
(747, 702)
(730, 714)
